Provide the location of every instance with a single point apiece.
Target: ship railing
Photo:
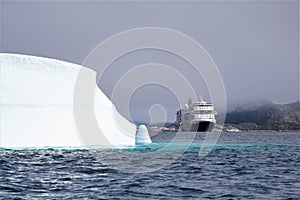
(204, 112)
(203, 104)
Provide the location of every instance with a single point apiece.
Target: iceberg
(142, 136)
(39, 109)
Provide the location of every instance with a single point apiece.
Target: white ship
(196, 117)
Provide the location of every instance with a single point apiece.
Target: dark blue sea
(262, 165)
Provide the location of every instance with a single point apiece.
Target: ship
(196, 117)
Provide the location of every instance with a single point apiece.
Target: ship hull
(203, 126)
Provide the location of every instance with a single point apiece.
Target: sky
(255, 44)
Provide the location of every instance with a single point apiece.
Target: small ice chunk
(142, 136)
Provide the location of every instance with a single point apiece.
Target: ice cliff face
(37, 106)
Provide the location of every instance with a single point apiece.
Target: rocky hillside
(266, 116)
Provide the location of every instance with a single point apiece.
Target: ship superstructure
(196, 117)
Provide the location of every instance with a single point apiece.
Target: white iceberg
(142, 136)
(38, 108)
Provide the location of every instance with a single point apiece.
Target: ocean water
(240, 166)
